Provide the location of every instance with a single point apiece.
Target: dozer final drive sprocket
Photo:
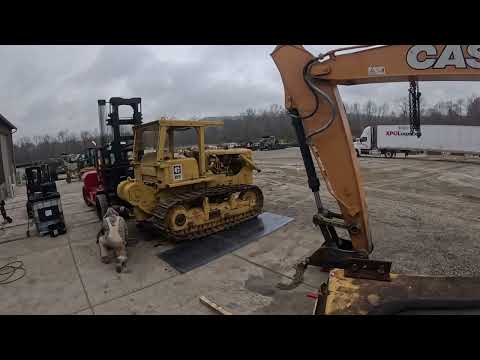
(193, 194)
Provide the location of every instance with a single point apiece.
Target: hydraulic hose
(316, 92)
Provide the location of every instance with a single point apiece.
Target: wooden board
(214, 306)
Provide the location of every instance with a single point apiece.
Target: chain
(414, 108)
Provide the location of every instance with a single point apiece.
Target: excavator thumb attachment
(329, 256)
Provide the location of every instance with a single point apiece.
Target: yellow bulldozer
(191, 194)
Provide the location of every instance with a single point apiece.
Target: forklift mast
(116, 143)
(115, 122)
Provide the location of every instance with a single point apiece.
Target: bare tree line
(253, 124)
(459, 112)
(47, 146)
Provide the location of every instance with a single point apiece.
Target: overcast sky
(45, 89)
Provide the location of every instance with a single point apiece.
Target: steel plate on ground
(192, 254)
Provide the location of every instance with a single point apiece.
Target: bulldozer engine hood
(229, 151)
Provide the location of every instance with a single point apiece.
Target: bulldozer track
(159, 220)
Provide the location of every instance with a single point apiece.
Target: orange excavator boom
(319, 118)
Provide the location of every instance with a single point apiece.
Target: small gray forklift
(43, 201)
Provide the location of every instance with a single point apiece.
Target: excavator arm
(328, 134)
(319, 118)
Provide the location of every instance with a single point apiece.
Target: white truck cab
(363, 144)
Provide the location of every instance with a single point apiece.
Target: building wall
(7, 168)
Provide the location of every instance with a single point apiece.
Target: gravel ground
(424, 211)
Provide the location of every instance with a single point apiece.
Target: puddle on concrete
(293, 302)
(265, 286)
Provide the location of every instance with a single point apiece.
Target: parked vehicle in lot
(254, 146)
(390, 140)
(269, 143)
(231, 145)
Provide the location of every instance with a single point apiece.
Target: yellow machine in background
(193, 194)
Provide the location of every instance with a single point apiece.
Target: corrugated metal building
(7, 159)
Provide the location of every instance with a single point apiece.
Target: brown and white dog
(112, 237)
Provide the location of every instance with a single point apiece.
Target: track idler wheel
(178, 218)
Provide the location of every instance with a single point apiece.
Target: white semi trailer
(392, 139)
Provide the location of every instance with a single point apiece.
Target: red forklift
(113, 154)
